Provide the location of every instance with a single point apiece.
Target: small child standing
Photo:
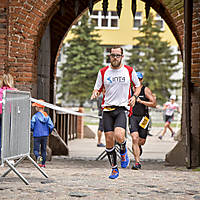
(41, 125)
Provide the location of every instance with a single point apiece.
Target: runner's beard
(116, 63)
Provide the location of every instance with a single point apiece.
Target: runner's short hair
(117, 47)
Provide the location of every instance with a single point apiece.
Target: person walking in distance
(169, 108)
(139, 120)
(41, 125)
(116, 79)
(100, 128)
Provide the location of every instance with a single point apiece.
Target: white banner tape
(58, 108)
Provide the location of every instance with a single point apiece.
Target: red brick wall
(25, 22)
(195, 73)
(3, 35)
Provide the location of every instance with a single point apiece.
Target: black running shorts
(113, 119)
(100, 125)
(168, 118)
(135, 127)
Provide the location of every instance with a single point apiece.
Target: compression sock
(112, 157)
(122, 147)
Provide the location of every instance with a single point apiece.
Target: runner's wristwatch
(136, 97)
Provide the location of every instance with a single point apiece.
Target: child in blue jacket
(41, 125)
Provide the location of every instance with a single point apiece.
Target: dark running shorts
(100, 125)
(135, 127)
(113, 119)
(168, 118)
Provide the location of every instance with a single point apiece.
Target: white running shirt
(117, 86)
(170, 108)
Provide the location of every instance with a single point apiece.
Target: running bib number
(144, 122)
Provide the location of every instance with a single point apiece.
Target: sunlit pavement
(154, 149)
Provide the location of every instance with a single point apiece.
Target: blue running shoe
(124, 160)
(114, 174)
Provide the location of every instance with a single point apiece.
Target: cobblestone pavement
(80, 176)
(87, 179)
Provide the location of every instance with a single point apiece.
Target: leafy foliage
(155, 59)
(84, 59)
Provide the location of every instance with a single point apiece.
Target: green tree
(84, 58)
(155, 59)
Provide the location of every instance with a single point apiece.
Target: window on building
(137, 20)
(159, 21)
(106, 54)
(111, 21)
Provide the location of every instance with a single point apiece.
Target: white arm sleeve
(135, 79)
(98, 83)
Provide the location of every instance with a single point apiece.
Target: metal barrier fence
(16, 113)
(15, 125)
(16, 135)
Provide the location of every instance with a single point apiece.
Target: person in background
(7, 83)
(169, 108)
(42, 126)
(100, 128)
(139, 120)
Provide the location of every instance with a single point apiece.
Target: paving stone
(47, 181)
(77, 194)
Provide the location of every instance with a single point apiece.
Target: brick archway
(24, 22)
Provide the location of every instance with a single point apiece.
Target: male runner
(116, 79)
(139, 120)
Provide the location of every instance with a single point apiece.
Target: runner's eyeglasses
(115, 55)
